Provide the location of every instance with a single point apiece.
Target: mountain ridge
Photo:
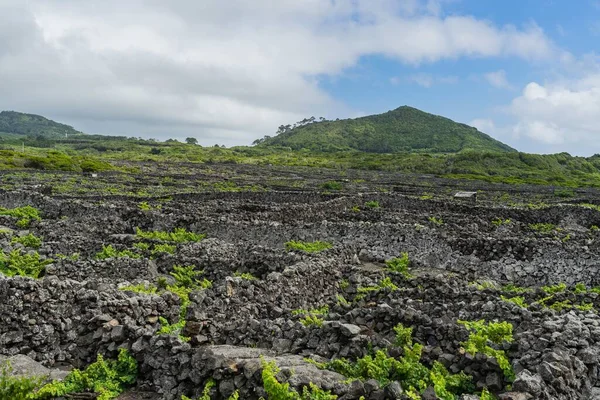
(404, 129)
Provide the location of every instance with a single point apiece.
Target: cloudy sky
(230, 71)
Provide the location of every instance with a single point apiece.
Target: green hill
(33, 125)
(404, 129)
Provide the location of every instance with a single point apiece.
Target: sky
(526, 72)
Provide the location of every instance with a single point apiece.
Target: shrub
(436, 221)
(400, 265)
(372, 204)
(500, 222)
(29, 240)
(282, 391)
(403, 336)
(542, 228)
(179, 235)
(110, 252)
(482, 334)
(17, 263)
(163, 248)
(16, 387)
(309, 247)
(245, 275)
(106, 378)
(24, 214)
(553, 289)
(518, 300)
(332, 185)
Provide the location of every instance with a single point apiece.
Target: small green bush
(436, 221)
(542, 228)
(245, 275)
(179, 235)
(400, 265)
(29, 240)
(482, 334)
(16, 387)
(372, 204)
(309, 247)
(17, 263)
(332, 185)
(499, 222)
(110, 252)
(106, 378)
(24, 214)
(518, 300)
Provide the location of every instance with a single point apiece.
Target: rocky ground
(528, 256)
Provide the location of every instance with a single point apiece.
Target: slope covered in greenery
(33, 125)
(404, 129)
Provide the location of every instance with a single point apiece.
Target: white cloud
(498, 79)
(226, 73)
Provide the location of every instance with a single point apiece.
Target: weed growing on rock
(512, 288)
(436, 221)
(482, 334)
(245, 275)
(144, 206)
(16, 387)
(332, 185)
(106, 378)
(518, 300)
(426, 196)
(542, 228)
(140, 288)
(110, 252)
(179, 235)
(372, 204)
(282, 391)
(29, 240)
(355, 209)
(344, 284)
(309, 247)
(24, 214)
(553, 289)
(499, 222)
(590, 206)
(312, 320)
(403, 335)
(17, 263)
(580, 288)
(400, 265)
(341, 300)
(162, 248)
(386, 283)
(142, 246)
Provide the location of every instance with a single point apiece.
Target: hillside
(404, 129)
(33, 125)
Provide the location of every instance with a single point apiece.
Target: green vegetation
(106, 378)
(162, 248)
(206, 392)
(179, 235)
(29, 240)
(401, 130)
(518, 300)
(187, 279)
(24, 215)
(110, 252)
(34, 125)
(400, 265)
(145, 206)
(372, 204)
(436, 221)
(499, 222)
(17, 263)
(385, 284)
(414, 376)
(309, 247)
(245, 275)
(279, 391)
(553, 289)
(542, 228)
(332, 185)
(482, 334)
(17, 387)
